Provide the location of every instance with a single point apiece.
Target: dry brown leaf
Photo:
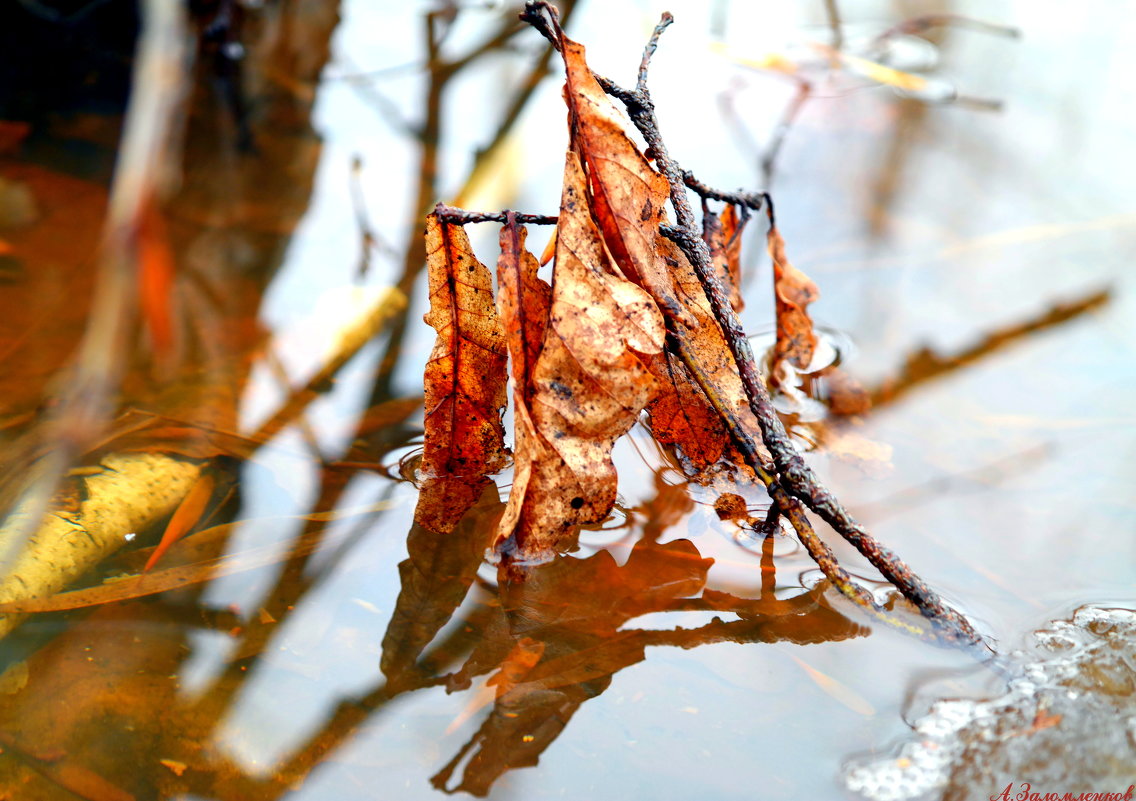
(793, 291)
(524, 301)
(628, 200)
(464, 378)
(627, 195)
(723, 235)
(682, 415)
(587, 386)
(731, 506)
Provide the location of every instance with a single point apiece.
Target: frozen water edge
(1066, 724)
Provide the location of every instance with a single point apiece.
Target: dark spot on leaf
(577, 502)
(562, 391)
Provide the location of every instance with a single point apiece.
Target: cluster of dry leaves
(590, 351)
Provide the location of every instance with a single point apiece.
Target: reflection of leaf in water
(519, 661)
(563, 608)
(520, 727)
(924, 364)
(596, 596)
(464, 378)
(570, 612)
(435, 578)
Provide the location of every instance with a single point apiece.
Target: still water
(973, 264)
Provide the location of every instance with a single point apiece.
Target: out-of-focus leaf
(837, 689)
(880, 73)
(127, 493)
(465, 380)
(66, 773)
(794, 291)
(844, 394)
(172, 578)
(156, 280)
(588, 386)
(213, 484)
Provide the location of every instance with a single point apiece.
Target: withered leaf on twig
(587, 386)
(464, 378)
(627, 195)
(682, 415)
(723, 235)
(524, 300)
(793, 291)
(628, 199)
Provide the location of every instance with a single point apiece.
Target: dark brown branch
(649, 51)
(752, 200)
(785, 504)
(457, 216)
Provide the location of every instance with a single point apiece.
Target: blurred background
(958, 185)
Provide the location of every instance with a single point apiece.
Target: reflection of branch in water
(869, 63)
(574, 611)
(370, 238)
(141, 176)
(924, 365)
(984, 475)
(528, 717)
